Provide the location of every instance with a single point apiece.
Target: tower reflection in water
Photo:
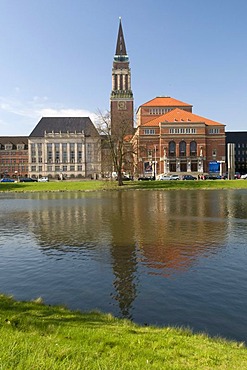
(162, 232)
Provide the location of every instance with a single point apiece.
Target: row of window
(182, 149)
(214, 130)
(159, 110)
(57, 168)
(12, 161)
(181, 130)
(241, 159)
(12, 147)
(61, 152)
(149, 131)
(242, 152)
(13, 168)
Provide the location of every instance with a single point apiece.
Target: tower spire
(121, 48)
(121, 94)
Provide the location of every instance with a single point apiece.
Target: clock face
(122, 105)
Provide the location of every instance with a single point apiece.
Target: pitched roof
(165, 101)
(13, 140)
(181, 116)
(64, 124)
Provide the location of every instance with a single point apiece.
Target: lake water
(156, 257)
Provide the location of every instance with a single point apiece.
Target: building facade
(13, 156)
(170, 138)
(121, 100)
(63, 147)
(239, 138)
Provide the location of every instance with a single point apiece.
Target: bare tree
(117, 143)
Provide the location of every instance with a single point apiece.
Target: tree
(116, 145)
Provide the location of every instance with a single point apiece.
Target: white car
(43, 179)
(164, 177)
(175, 177)
(244, 177)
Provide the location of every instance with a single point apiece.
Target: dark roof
(236, 137)
(63, 125)
(13, 140)
(121, 48)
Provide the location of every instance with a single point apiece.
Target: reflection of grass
(35, 336)
(111, 185)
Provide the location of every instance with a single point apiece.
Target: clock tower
(122, 116)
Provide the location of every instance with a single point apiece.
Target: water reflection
(133, 234)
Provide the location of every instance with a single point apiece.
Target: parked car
(189, 177)
(164, 177)
(125, 178)
(244, 177)
(174, 177)
(212, 177)
(144, 178)
(28, 179)
(237, 175)
(7, 179)
(128, 178)
(43, 179)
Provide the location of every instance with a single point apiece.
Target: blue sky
(56, 57)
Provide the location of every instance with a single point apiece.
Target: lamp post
(155, 161)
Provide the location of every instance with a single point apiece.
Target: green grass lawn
(112, 185)
(36, 336)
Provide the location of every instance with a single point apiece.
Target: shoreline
(39, 336)
(102, 185)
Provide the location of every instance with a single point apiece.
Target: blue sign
(214, 167)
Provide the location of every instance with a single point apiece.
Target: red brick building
(13, 156)
(170, 138)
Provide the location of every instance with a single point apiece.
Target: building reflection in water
(186, 226)
(162, 232)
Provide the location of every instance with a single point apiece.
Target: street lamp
(155, 146)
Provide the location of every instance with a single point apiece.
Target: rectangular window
(72, 168)
(49, 153)
(89, 152)
(57, 152)
(149, 132)
(33, 150)
(64, 168)
(39, 146)
(214, 131)
(64, 153)
(79, 168)
(72, 152)
(33, 168)
(79, 153)
(49, 168)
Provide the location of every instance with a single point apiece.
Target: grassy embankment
(36, 336)
(112, 185)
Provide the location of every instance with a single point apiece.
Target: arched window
(193, 149)
(182, 149)
(172, 149)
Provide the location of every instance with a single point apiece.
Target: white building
(61, 147)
